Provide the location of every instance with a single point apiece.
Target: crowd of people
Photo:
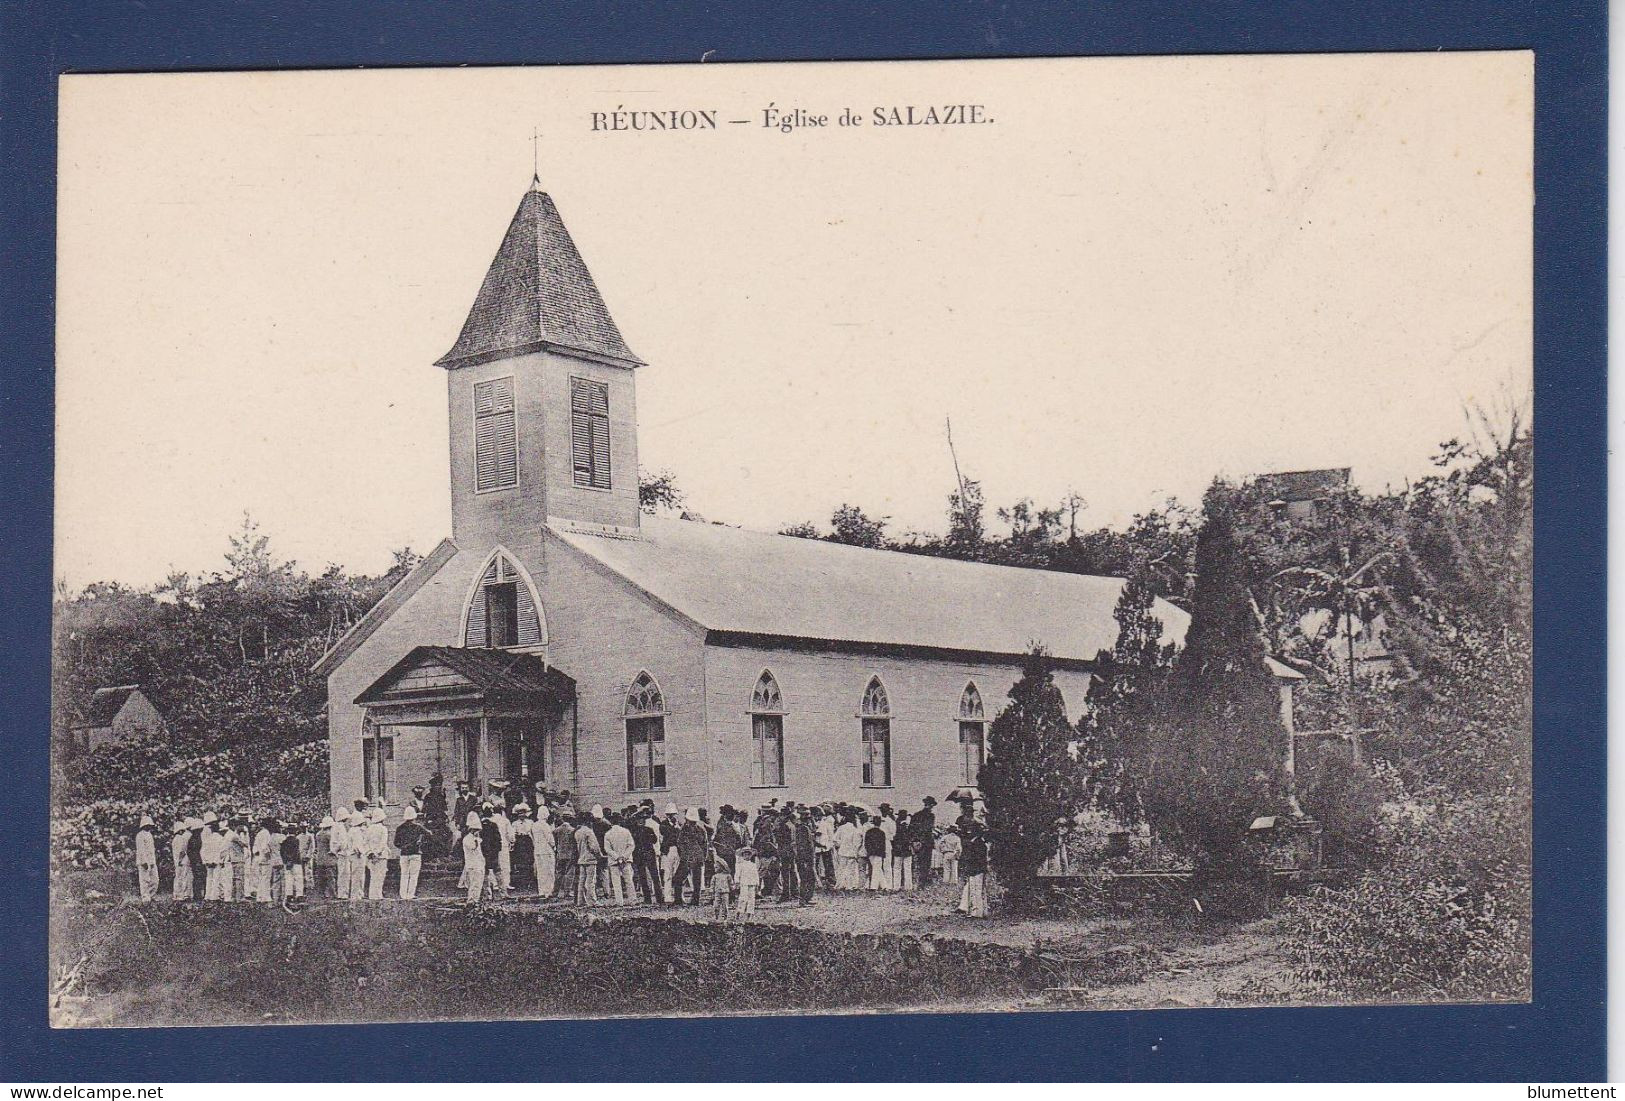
(507, 846)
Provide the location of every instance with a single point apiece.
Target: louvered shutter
(496, 435)
(600, 452)
(530, 627)
(478, 634)
(589, 432)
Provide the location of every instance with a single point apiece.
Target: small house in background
(114, 715)
(1297, 493)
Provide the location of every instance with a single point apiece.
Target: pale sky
(1142, 273)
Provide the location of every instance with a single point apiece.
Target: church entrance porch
(468, 714)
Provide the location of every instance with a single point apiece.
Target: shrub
(95, 826)
(1344, 798)
(1028, 783)
(1446, 918)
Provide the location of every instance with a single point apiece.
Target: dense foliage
(1209, 757)
(227, 661)
(1028, 780)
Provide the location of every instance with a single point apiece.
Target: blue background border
(1559, 1037)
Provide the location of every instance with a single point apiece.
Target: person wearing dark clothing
(784, 841)
(600, 829)
(875, 845)
(973, 897)
(491, 850)
(727, 840)
(691, 845)
(925, 834)
(767, 851)
(806, 851)
(194, 857)
(434, 816)
(465, 803)
(645, 862)
(411, 839)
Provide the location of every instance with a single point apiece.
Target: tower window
(589, 432)
(496, 439)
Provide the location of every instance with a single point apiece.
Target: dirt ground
(1147, 960)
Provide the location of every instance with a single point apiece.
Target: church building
(560, 635)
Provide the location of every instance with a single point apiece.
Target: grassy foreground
(163, 964)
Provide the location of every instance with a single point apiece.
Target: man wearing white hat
(669, 857)
(377, 853)
(339, 842)
(215, 869)
(262, 851)
(355, 851)
(409, 840)
(146, 860)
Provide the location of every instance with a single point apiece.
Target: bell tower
(541, 393)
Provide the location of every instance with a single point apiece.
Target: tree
(1212, 758)
(804, 529)
(1119, 707)
(851, 526)
(658, 490)
(965, 528)
(1029, 780)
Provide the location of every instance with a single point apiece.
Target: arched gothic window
(502, 612)
(972, 734)
(645, 735)
(875, 716)
(767, 732)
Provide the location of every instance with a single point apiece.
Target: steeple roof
(538, 292)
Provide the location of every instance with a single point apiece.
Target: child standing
(722, 890)
(749, 878)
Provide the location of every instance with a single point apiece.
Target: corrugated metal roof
(537, 291)
(728, 580)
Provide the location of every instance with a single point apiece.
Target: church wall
(430, 617)
(603, 633)
(822, 730)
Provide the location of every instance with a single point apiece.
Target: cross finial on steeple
(535, 158)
